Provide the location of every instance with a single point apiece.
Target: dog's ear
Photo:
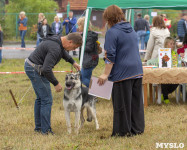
(66, 78)
(78, 75)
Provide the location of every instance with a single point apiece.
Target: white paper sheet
(103, 91)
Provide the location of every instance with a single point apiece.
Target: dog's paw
(89, 119)
(97, 127)
(82, 123)
(69, 130)
(76, 131)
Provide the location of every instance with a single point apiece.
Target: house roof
(78, 4)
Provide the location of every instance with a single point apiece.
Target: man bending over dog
(38, 67)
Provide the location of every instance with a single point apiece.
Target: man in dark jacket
(182, 28)
(38, 67)
(141, 26)
(70, 24)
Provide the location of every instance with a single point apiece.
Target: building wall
(78, 7)
(97, 18)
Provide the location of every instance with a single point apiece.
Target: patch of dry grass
(164, 124)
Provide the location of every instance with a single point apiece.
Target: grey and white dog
(76, 98)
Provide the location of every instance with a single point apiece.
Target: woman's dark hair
(113, 14)
(43, 20)
(185, 39)
(159, 22)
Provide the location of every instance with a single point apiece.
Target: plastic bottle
(179, 61)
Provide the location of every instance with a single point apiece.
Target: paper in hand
(103, 91)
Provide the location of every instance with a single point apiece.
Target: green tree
(2, 12)
(32, 8)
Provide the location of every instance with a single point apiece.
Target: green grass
(163, 123)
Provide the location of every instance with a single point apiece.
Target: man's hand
(102, 79)
(77, 66)
(66, 20)
(58, 87)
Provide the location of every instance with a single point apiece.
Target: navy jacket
(181, 28)
(69, 25)
(1, 39)
(141, 24)
(122, 50)
(60, 29)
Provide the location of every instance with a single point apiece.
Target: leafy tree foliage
(31, 8)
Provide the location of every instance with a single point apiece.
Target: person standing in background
(40, 19)
(1, 43)
(165, 20)
(70, 25)
(91, 57)
(157, 36)
(22, 27)
(44, 30)
(146, 17)
(141, 26)
(57, 26)
(182, 28)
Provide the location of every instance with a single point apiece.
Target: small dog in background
(76, 98)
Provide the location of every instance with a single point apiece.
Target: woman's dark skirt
(128, 108)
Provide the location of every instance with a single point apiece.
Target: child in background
(169, 88)
(44, 30)
(91, 57)
(1, 43)
(181, 51)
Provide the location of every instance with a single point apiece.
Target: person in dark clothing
(38, 67)
(1, 43)
(123, 66)
(141, 26)
(91, 57)
(40, 20)
(44, 30)
(182, 28)
(70, 25)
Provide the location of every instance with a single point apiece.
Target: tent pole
(86, 24)
(129, 19)
(150, 20)
(132, 17)
(126, 14)
(68, 9)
